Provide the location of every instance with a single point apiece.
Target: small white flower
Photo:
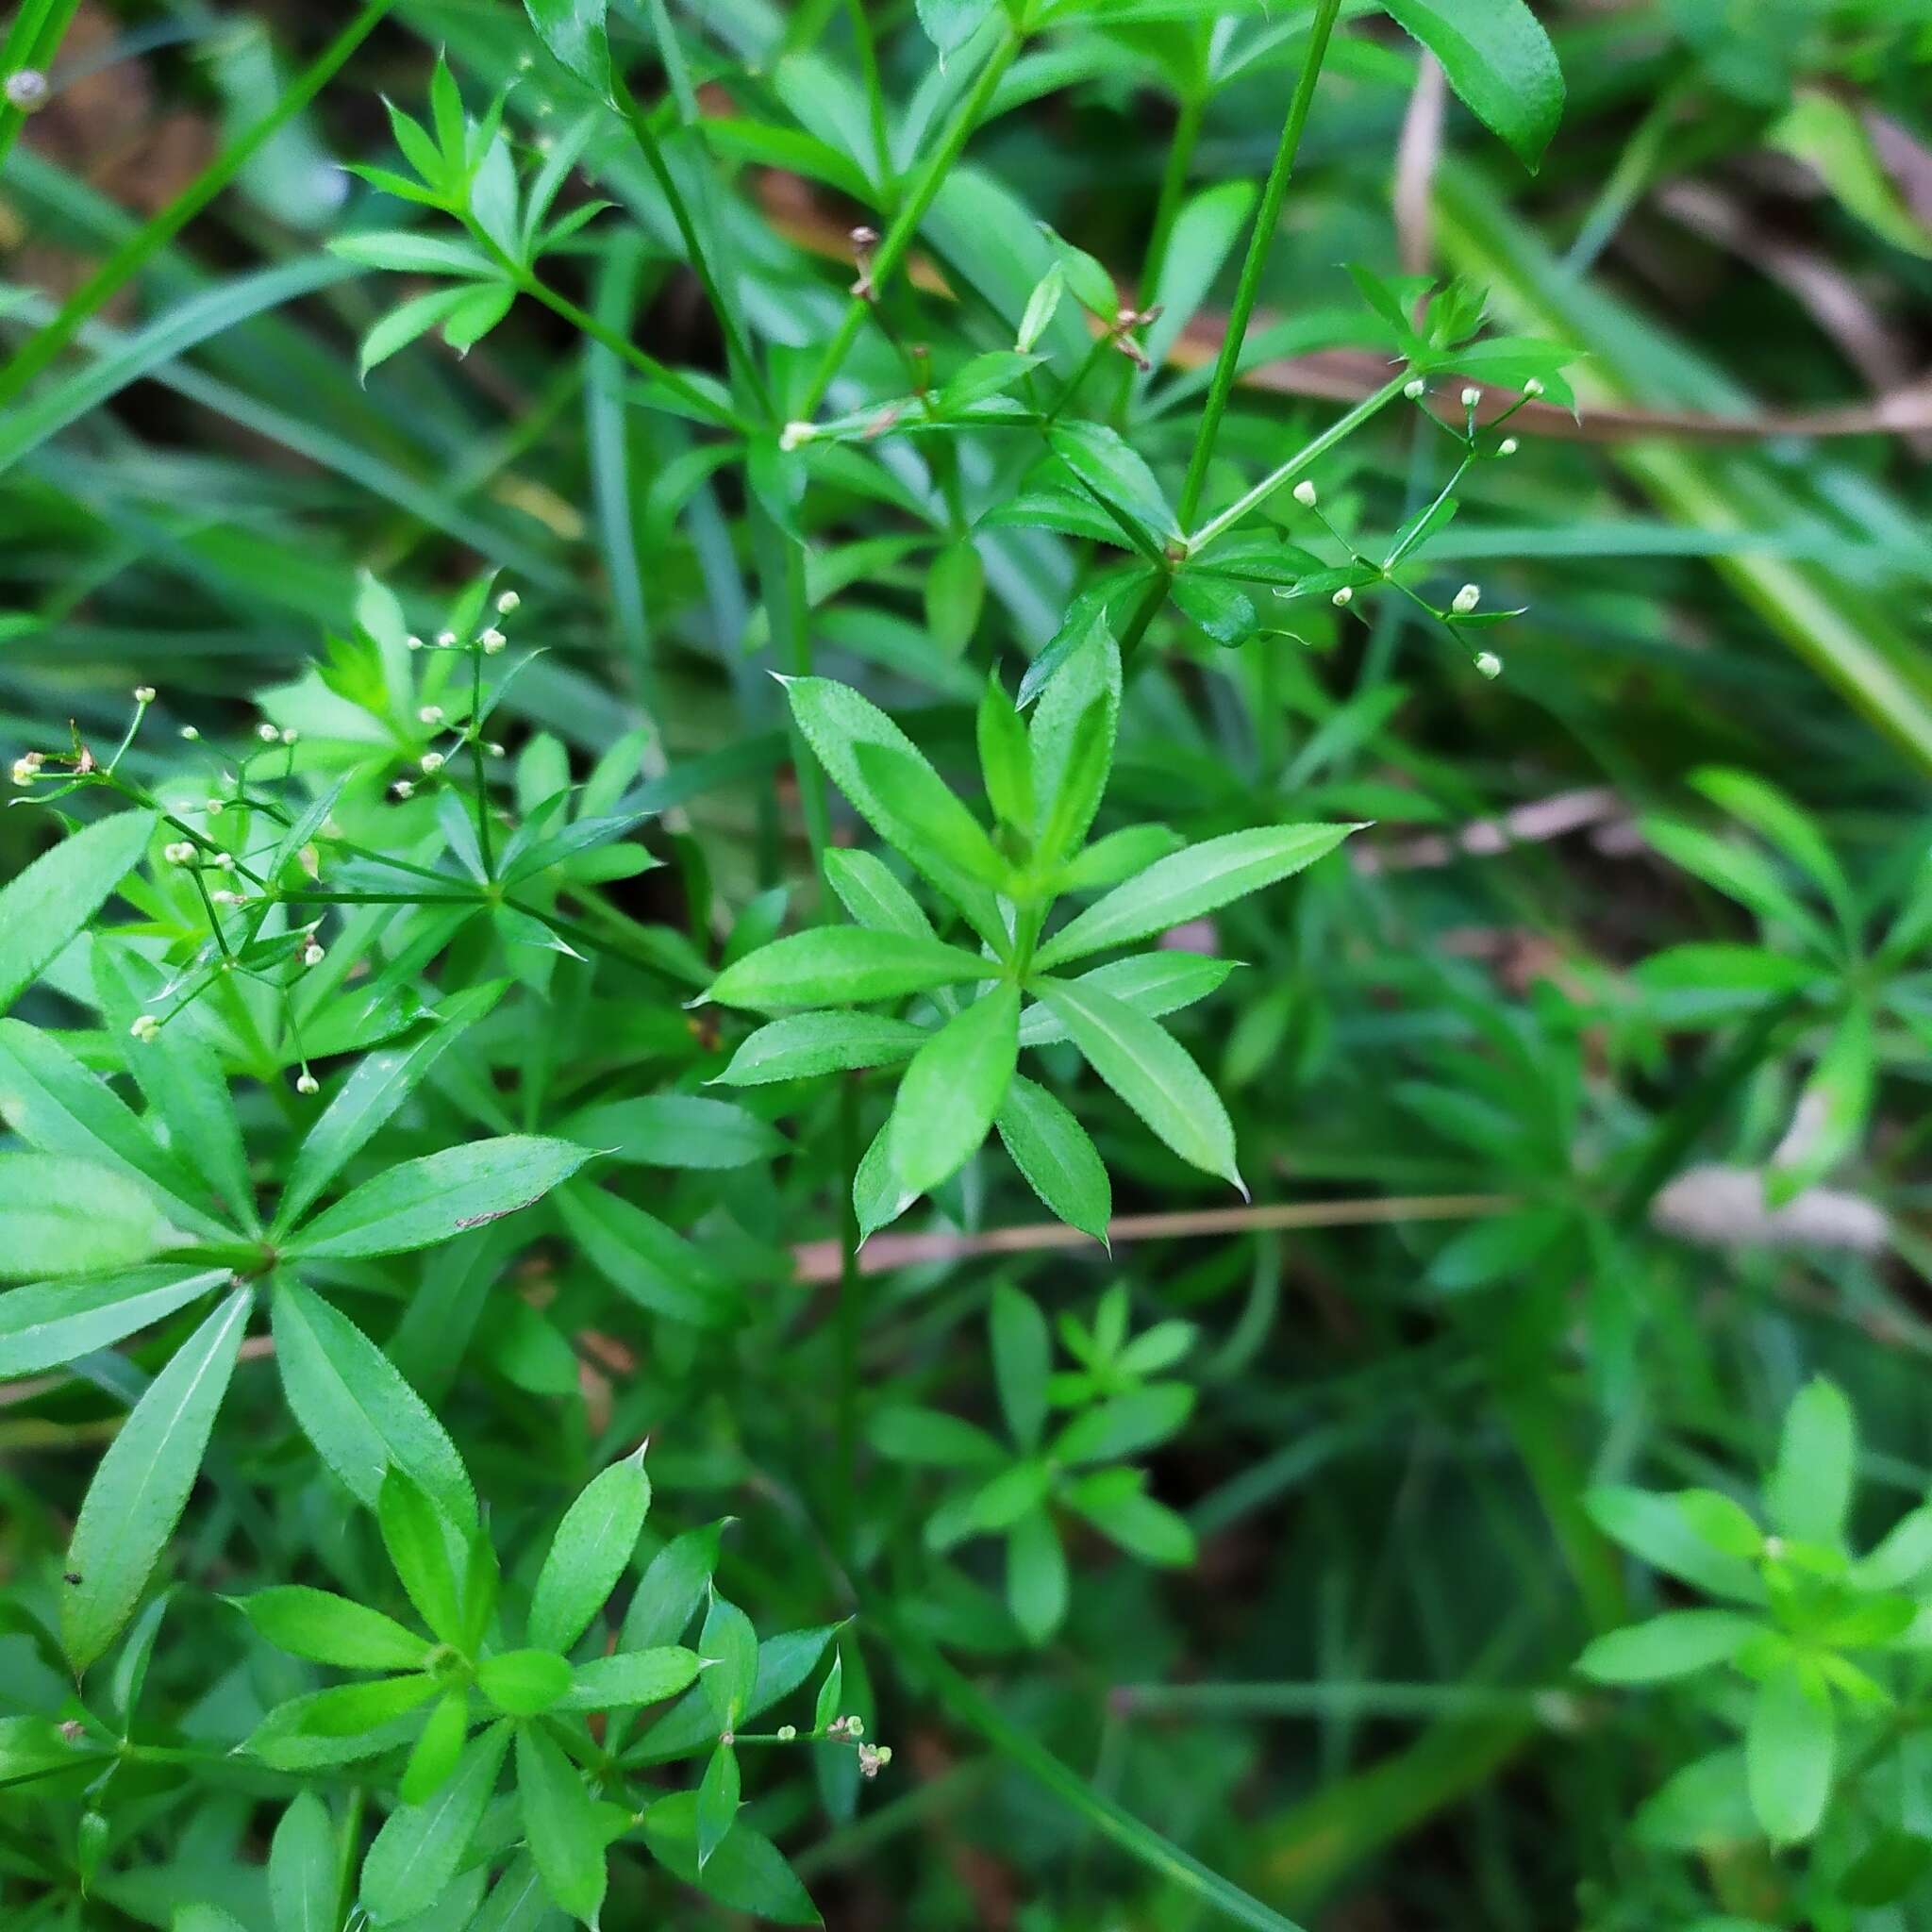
(191, 733)
(145, 1028)
(430, 714)
(787, 1732)
(311, 954)
(492, 641)
(446, 638)
(432, 762)
(143, 693)
(873, 1759)
(494, 749)
(1533, 387)
(306, 1082)
(222, 861)
(1488, 664)
(1470, 398)
(227, 896)
(1342, 598)
(267, 732)
(796, 435)
(1307, 495)
(180, 853)
(26, 768)
(1467, 599)
(290, 735)
(214, 807)
(1507, 447)
(402, 789)
(1415, 389)
(415, 642)
(507, 602)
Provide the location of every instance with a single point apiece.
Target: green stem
(477, 773)
(1143, 614)
(912, 212)
(139, 247)
(31, 44)
(851, 1321)
(1248, 291)
(1308, 453)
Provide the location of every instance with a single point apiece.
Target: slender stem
(912, 212)
(781, 578)
(482, 783)
(1249, 288)
(738, 352)
(148, 239)
(851, 1321)
(1309, 451)
(1143, 614)
(875, 87)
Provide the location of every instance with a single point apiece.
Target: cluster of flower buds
(27, 767)
(1127, 319)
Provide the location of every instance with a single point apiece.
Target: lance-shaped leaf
(43, 906)
(843, 964)
(418, 1848)
(142, 1486)
(1189, 883)
(590, 1550)
(1056, 1156)
(953, 1089)
(48, 1323)
(1500, 61)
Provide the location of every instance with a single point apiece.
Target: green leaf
(1654, 1527)
(838, 964)
(870, 891)
(523, 1682)
(950, 24)
(416, 1535)
(379, 1085)
(955, 595)
(356, 1407)
(1809, 1491)
(406, 323)
(1672, 1645)
(644, 1259)
(717, 1802)
(560, 1824)
(803, 1045)
(1022, 1360)
(48, 1324)
(43, 906)
(952, 1089)
(420, 1847)
(1832, 1110)
(933, 1437)
(1036, 1575)
(439, 1745)
(1831, 137)
(591, 1549)
(675, 1130)
(782, 1664)
(1701, 1808)
(1152, 1072)
(64, 1217)
(1740, 871)
(1071, 741)
(301, 1868)
(904, 800)
(1902, 1556)
(419, 1203)
(1163, 981)
(1789, 1745)
(730, 1647)
(142, 1486)
(1204, 236)
(330, 1629)
(674, 1583)
(1500, 63)
(1116, 1502)
(1125, 1425)
(405, 253)
(1004, 762)
(630, 1677)
(1056, 1156)
(1119, 475)
(1189, 883)
(55, 1104)
(1792, 830)
(745, 1873)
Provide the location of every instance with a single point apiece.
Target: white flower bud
(494, 749)
(855, 1727)
(1470, 398)
(796, 435)
(492, 641)
(402, 789)
(25, 769)
(414, 643)
(143, 693)
(1342, 598)
(1507, 447)
(306, 1083)
(227, 896)
(1415, 389)
(444, 639)
(145, 1028)
(180, 853)
(26, 89)
(432, 762)
(1488, 664)
(191, 734)
(267, 732)
(1467, 599)
(787, 1732)
(289, 733)
(1533, 387)
(1305, 493)
(430, 714)
(508, 602)
(311, 954)
(222, 861)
